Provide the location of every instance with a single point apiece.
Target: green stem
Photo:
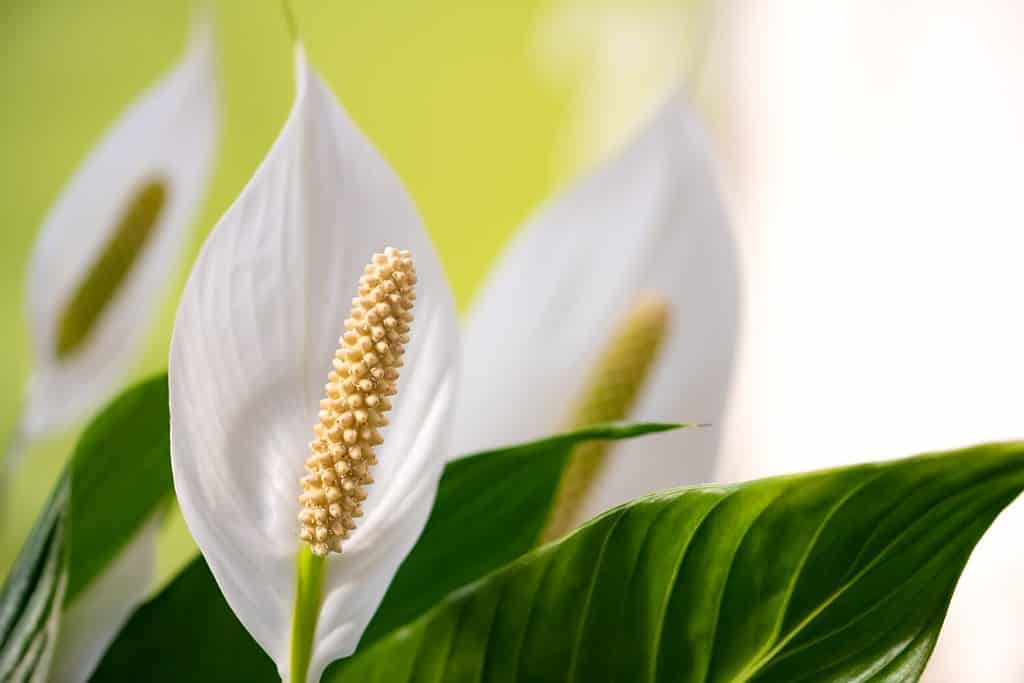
(309, 583)
(289, 19)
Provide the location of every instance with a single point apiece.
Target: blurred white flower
(254, 339)
(109, 242)
(877, 150)
(647, 221)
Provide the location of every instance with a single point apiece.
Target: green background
(450, 92)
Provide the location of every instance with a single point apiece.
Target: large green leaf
(489, 510)
(117, 478)
(843, 575)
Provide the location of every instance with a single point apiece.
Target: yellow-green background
(449, 90)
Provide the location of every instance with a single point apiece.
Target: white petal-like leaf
(648, 220)
(89, 624)
(155, 159)
(253, 342)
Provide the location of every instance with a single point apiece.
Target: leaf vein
(570, 675)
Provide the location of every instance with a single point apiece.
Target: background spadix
(253, 341)
(649, 220)
(165, 140)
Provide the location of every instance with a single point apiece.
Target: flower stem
(309, 582)
(289, 19)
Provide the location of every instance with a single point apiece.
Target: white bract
(647, 221)
(254, 339)
(159, 152)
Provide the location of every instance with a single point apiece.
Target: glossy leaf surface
(841, 575)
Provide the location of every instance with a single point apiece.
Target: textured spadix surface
(255, 336)
(360, 384)
(111, 238)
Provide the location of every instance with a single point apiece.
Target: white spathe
(253, 342)
(169, 133)
(647, 220)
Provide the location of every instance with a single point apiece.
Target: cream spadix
(255, 336)
(364, 376)
(612, 387)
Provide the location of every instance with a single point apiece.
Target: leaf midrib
(759, 664)
(670, 586)
(570, 674)
(799, 570)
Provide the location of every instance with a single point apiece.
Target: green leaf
(186, 633)
(839, 575)
(489, 510)
(120, 475)
(31, 597)
(117, 478)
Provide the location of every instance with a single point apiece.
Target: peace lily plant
(324, 200)
(314, 386)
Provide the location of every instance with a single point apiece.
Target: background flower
(646, 222)
(109, 242)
